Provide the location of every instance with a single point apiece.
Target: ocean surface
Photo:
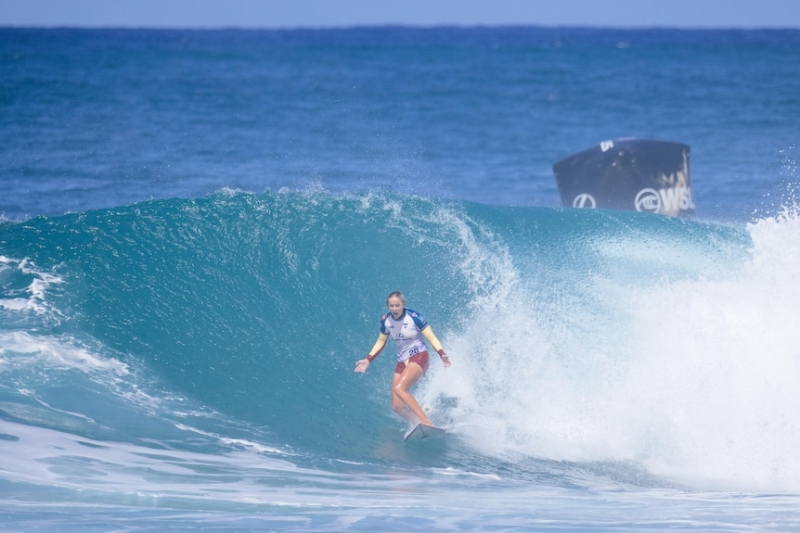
(198, 231)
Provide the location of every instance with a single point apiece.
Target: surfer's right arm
(362, 365)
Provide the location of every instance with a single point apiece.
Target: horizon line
(169, 27)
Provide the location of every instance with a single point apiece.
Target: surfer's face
(395, 306)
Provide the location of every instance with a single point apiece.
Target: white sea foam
(20, 348)
(33, 297)
(694, 378)
(237, 443)
(43, 455)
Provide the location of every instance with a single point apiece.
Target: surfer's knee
(401, 386)
(399, 389)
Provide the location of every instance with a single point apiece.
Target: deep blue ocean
(198, 231)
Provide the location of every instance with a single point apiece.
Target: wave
(586, 337)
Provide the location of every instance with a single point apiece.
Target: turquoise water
(200, 230)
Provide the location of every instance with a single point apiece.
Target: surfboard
(421, 431)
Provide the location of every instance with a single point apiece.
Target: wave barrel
(628, 174)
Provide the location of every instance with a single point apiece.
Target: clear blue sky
(334, 13)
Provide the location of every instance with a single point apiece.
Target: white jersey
(406, 332)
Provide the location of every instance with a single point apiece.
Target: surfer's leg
(398, 406)
(401, 383)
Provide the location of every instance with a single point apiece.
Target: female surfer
(407, 328)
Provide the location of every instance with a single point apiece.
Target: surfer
(407, 328)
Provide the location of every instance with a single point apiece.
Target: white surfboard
(421, 431)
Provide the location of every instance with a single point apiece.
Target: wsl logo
(664, 201)
(648, 200)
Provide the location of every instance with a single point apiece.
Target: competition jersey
(406, 332)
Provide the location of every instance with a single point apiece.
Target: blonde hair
(397, 294)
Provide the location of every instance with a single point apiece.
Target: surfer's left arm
(428, 333)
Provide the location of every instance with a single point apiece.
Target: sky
(345, 13)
